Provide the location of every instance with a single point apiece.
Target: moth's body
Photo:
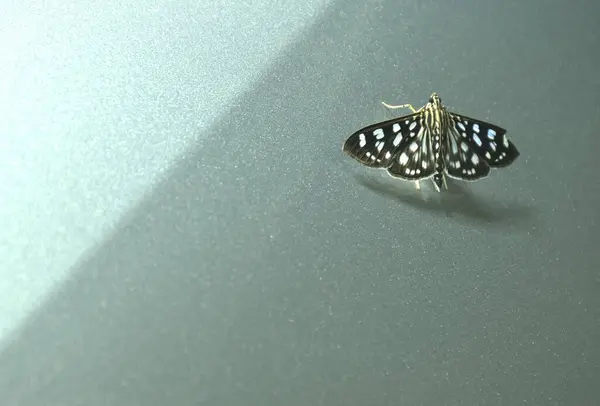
(431, 143)
(437, 121)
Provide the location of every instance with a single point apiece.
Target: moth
(432, 142)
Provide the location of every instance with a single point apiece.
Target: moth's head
(435, 99)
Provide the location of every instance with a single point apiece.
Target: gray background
(261, 266)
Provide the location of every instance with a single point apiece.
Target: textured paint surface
(265, 268)
(97, 99)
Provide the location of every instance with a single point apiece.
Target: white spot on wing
(491, 134)
(461, 126)
(379, 145)
(378, 133)
(454, 145)
(424, 146)
(397, 139)
(412, 125)
(476, 128)
(477, 139)
(396, 127)
(413, 147)
(362, 141)
(403, 158)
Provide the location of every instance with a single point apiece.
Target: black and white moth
(430, 143)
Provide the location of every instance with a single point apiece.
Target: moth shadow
(458, 200)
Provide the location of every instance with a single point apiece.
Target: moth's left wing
(376, 145)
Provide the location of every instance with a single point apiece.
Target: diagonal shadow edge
(32, 351)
